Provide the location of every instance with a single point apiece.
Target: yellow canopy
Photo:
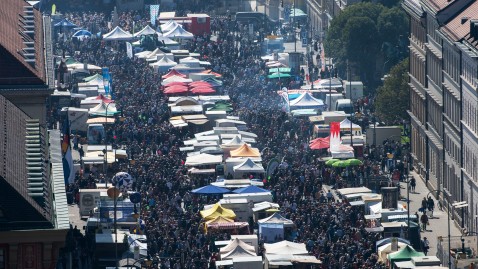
(219, 219)
(216, 211)
(245, 151)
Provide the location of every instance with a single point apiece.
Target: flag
(106, 80)
(153, 9)
(67, 159)
(53, 9)
(129, 50)
(334, 135)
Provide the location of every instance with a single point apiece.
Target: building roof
(24, 197)
(437, 5)
(15, 70)
(455, 29)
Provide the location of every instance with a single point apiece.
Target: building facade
(443, 99)
(33, 219)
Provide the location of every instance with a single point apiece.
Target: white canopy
(176, 79)
(104, 109)
(146, 31)
(167, 41)
(169, 26)
(203, 159)
(117, 34)
(264, 205)
(143, 54)
(305, 100)
(248, 166)
(239, 251)
(81, 66)
(188, 60)
(277, 218)
(285, 247)
(165, 61)
(342, 152)
(179, 32)
(234, 243)
(345, 126)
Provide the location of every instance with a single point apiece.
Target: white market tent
(248, 167)
(175, 79)
(163, 65)
(179, 32)
(345, 126)
(234, 243)
(306, 100)
(81, 66)
(203, 159)
(238, 251)
(117, 34)
(286, 247)
(147, 30)
(143, 54)
(275, 219)
(103, 109)
(167, 41)
(169, 26)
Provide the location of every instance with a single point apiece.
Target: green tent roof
(298, 12)
(90, 78)
(404, 254)
(279, 75)
(221, 107)
(281, 70)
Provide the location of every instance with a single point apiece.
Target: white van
(344, 105)
(331, 99)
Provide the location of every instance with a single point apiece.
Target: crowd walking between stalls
(333, 230)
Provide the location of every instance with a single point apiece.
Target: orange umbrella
(202, 90)
(176, 89)
(320, 143)
(173, 72)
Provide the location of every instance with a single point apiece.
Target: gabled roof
(277, 218)
(245, 151)
(14, 68)
(306, 100)
(117, 34)
(455, 29)
(147, 30)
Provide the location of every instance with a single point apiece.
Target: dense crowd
(333, 231)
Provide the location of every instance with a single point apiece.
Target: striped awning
(227, 225)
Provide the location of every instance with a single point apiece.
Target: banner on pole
(129, 50)
(153, 11)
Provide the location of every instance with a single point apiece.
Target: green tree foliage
(392, 98)
(365, 34)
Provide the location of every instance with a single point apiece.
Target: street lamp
(461, 204)
(105, 150)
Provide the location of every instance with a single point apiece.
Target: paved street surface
(438, 224)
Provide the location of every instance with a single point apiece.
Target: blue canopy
(250, 189)
(81, 33)
(64, 23)
(209, 190)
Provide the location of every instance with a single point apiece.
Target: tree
(392, 98)
(367, 34)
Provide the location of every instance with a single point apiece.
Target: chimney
(474, 29)
(464, 20)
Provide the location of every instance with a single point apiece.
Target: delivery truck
(353, 89)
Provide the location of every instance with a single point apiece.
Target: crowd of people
(333, 231)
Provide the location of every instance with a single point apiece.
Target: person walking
(423, 209)
(430, 205)
(425, 245)
(424, 221)
(413, 184)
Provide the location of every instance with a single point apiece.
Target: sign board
(304, 42)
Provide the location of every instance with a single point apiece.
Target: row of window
(435, 116)
(418, 106)
(451, 62)
(469, 68)
(470, 161)
(452, 148)
(418, 146)
(451, 107)
(470, 108)
(417, 68)
(434, 68)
